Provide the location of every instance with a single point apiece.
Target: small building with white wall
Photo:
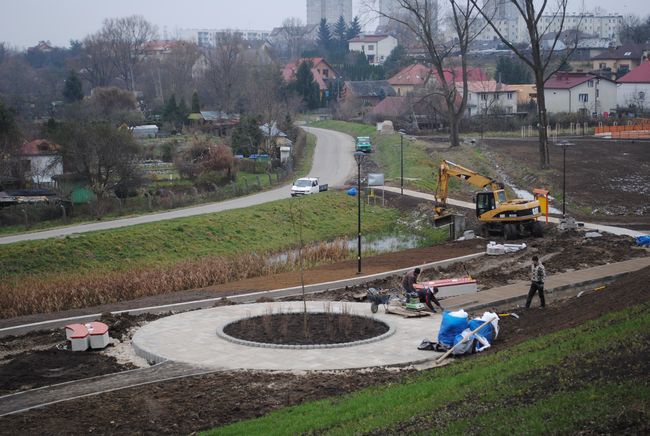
(579, 92)
(41, 160)
(634, 88)
(375, 47)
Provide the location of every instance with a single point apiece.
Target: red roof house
(321, 70)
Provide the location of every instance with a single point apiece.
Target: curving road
(333, 163)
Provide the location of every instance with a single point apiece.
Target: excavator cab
(484, 202)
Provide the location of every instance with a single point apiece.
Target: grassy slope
(491, 394)
(262, 228)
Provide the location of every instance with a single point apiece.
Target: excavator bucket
(443, 220)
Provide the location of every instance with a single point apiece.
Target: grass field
(555, 384)
(260, 229)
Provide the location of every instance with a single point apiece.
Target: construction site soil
(607, 181)
(559, 252)
(187, 405)
(308, 329)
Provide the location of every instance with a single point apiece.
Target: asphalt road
(333, 163)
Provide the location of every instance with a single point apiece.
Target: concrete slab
(192, 338)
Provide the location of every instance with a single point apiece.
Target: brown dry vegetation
(56, 292)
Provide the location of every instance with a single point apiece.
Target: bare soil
(606, 181)
(320, 328)
(187, 405)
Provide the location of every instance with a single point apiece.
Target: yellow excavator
(498, 214)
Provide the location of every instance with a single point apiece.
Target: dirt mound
(119, 326)
(46, 367)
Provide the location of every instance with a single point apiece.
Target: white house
(490, 97)
(375, 47)
(41, 161)
(634, 88)
(586, 93)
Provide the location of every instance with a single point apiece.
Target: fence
(571, 129)
(631, 130)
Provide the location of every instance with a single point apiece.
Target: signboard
(375, 179)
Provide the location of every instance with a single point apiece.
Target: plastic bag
(453, 323)
(643, 241)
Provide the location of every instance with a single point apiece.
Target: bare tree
(420, 17)
(543, 61)
(96, 64)
(127, 38)
(225, 69)
(294, 32)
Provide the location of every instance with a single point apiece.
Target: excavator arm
(449, 169)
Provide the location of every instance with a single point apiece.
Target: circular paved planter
(227, 337)
(192, 337)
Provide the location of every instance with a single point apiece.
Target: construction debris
(494, 249)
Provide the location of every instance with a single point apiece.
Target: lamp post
(564, 144)
(359, 156)
(401, 160)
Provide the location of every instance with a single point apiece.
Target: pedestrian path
(576, 281)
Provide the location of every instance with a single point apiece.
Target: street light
(359, 156)
(402, 132)
(564, 144)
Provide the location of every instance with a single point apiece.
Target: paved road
(333, 163)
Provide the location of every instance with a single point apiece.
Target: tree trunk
(544, 158)
(454, 130)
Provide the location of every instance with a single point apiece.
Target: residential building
(331, 10)
(375, 47)
(490, 97)
(41, 160)
(409, 78)
(506, 18)
(209, 37)
(618, 61)
(585, 93)
(290, 42)
(392, 9)
(634, 88)
(598, 25)
(525, 93)
(322, 71)
(369, 92)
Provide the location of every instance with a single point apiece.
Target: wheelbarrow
(380, 296)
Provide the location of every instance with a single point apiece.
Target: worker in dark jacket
(538, 276)
(410, 279)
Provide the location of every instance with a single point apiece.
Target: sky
(25, 22)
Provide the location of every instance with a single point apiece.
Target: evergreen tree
(324, 36)
(341, 33)
(246, 136)
(306, 87)
(354, 29)
(171, 110)
(72, 90)
(196, 104)
(182, 112)
(396, 60)
(512, 71)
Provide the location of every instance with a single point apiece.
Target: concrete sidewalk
(573, 281)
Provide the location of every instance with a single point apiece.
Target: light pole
(401, 160)
(359, 156)
(564, 144)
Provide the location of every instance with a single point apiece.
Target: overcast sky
(24, 22)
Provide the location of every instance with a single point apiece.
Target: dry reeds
(63, 291)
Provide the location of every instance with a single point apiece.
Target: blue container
(487, 332)
(450, 327)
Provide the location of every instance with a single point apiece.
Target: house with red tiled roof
(586, 93)
(409, 78)
(375, 47)
(634, 88)
(41, 160)
(322, 71)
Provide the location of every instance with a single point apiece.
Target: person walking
(538, 276)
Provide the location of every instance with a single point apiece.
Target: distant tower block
(331, 10)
